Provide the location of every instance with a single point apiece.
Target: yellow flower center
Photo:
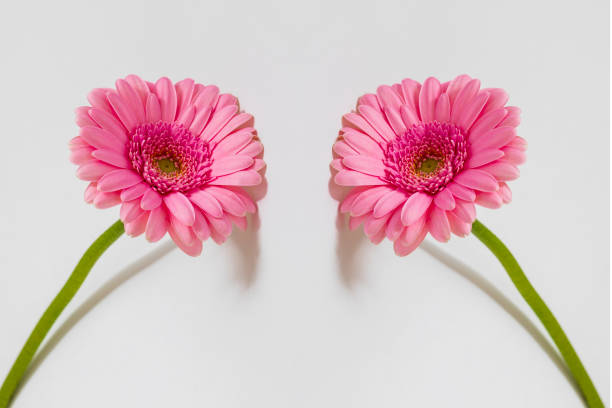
(429, 166)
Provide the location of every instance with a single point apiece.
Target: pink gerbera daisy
(177, 157)
(416, 158)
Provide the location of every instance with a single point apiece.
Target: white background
(295, 316)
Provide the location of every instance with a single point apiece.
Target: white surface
(298, 330)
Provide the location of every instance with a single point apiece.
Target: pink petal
(130, 210)
(106, 200)
(413, 232)
(207, 202)
(362, 143)
(82, 117)
(494, 139)
(77, 143)
(184, 92)
(112, 157)
(246, 199)
(200, 120)
(445, 200)
(403, 248)
(457, 226)
(207, 98)
(369, 100)
(233, 143)
(502, 170)
(389, 202)
(394, 226)
(82, 155)
(428, 98)
(355, 222)
(485, 124)
(229, 165)
(134, 192)
(505, 193)
(253, 149)
(109, 123)
(90, 192)
(514, 156)
(342, 149)
(416, 205)
(186, 117)
(118, 180)
(472, 109)
(465, 211)
(230, 202)
(354, 178)
(388, 97)
(483, 157)
(181, 231)
(225, 100)
(92, 171)
(131, 98)
(477, 180)
(395, 120)
(151, 199)
(137, 226)
(259, 165)
(489, 200)
(218, 120)
(139, 86)
(409, 116)
(101, 139)
(359, 122)
(157, 225)
(350, 198)
(97, 99)
(167, 99)
(410, 91)
(373, 225)
(497, 99)
(123, 110)
(180, 207)
(442, 112)
(153, 110)
(365, 165)
(240, 222)
(241, 178)
(200, 227)
(222, 225)
(237, 122)
(513, 117)
(438, 225)
(191, 246)
(455, 86)
(459, 191)
(367, 200)
(461, 103)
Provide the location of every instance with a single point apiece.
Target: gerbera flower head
(414, 159)
(179, 158)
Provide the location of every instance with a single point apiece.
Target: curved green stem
(56, 307)
(541, 310)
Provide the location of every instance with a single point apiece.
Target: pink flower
(415, 158)
(179, 158)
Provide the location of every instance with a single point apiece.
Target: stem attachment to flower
(541, 310)
(56, 307)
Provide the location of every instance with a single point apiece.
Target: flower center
(167, 166)
(426, 157)
(169, 157)
(429, 165)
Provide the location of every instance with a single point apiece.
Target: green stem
(541, 310)
(56, 307)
